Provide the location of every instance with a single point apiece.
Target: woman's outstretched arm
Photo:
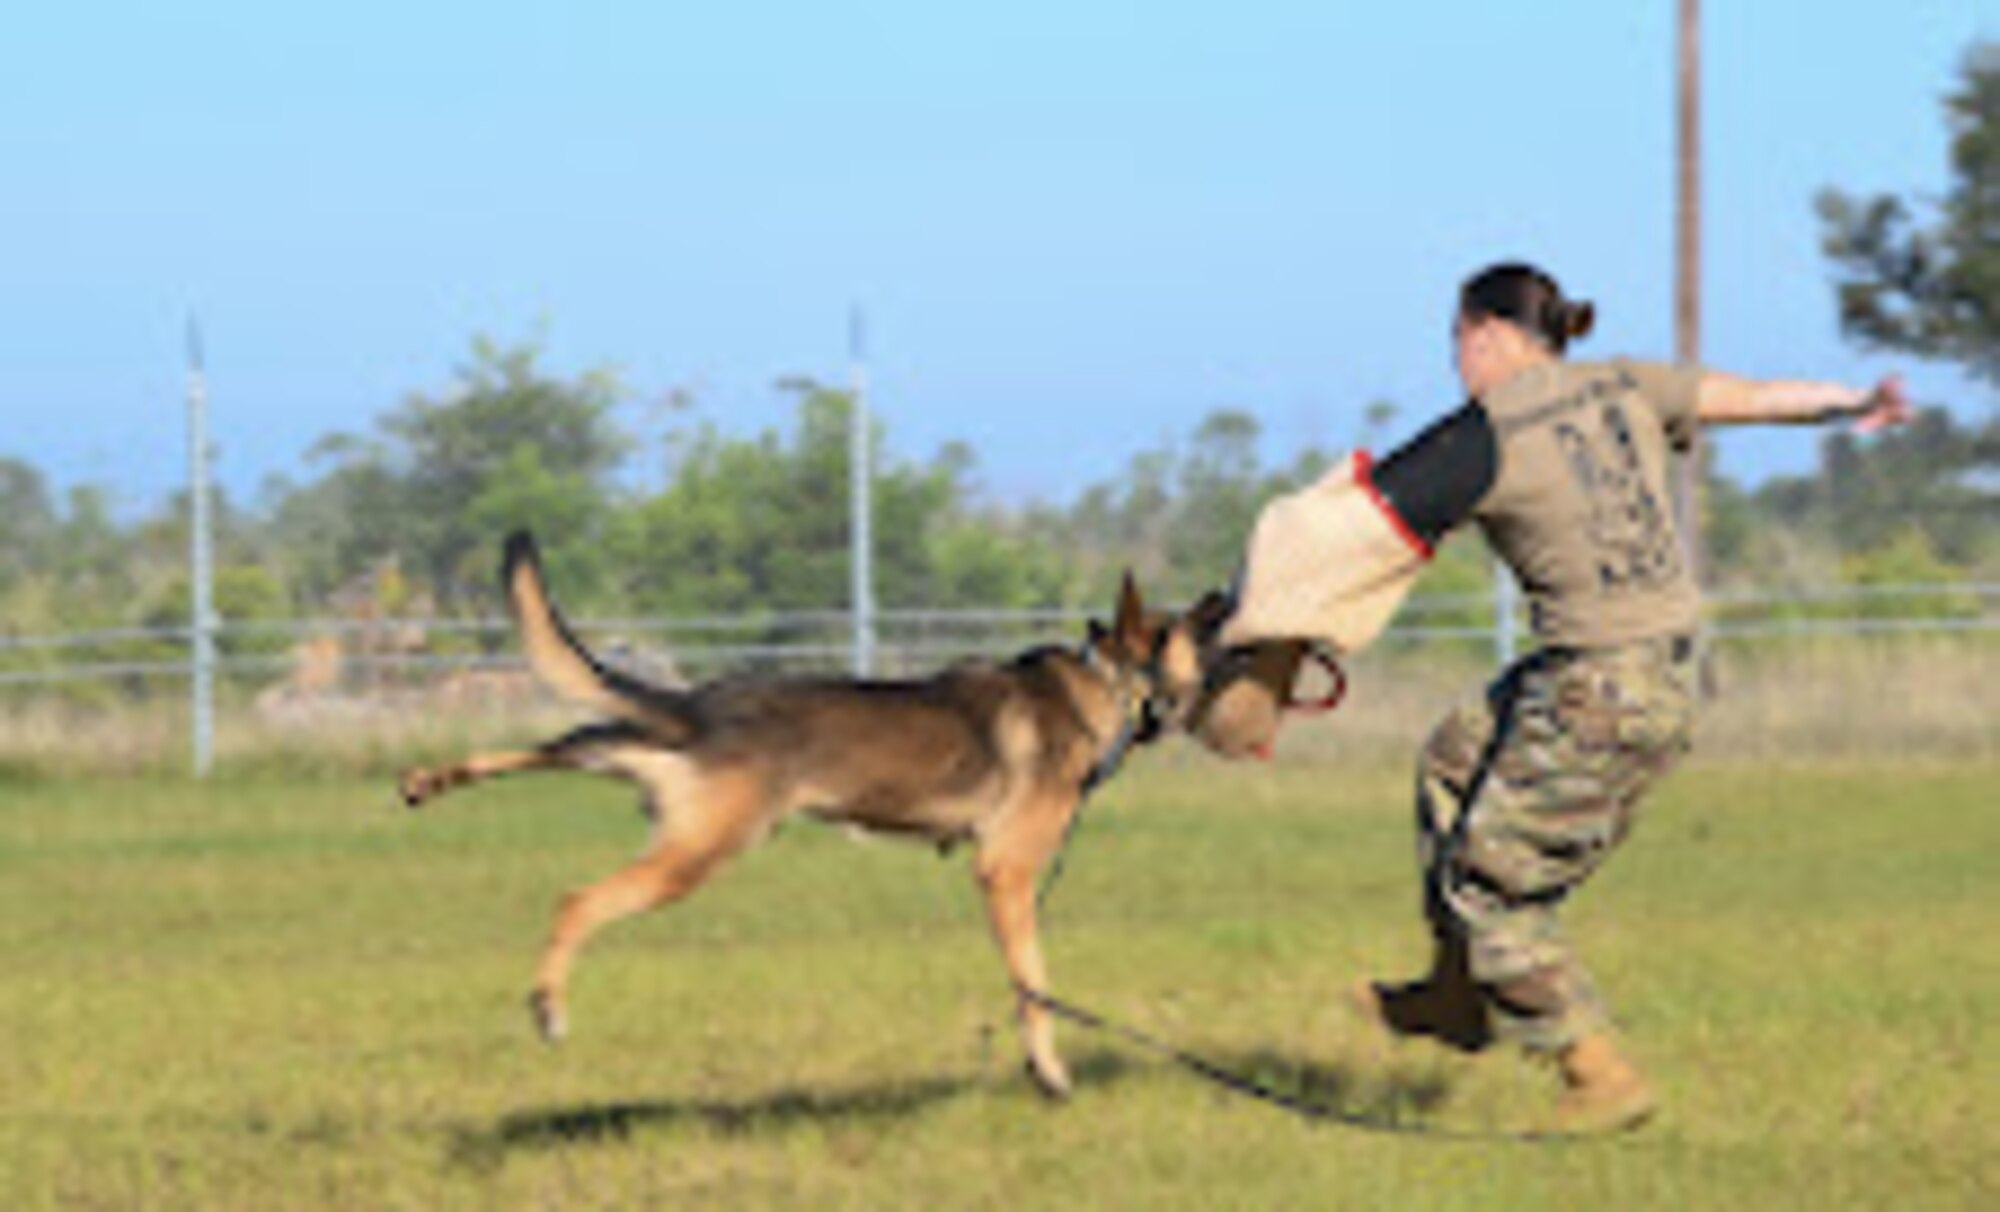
(1727, 399)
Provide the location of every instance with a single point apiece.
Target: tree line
(411, 513)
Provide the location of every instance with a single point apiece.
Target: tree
(565, 509)
(1932, 291)
(441, 472)
(27, 519)
(763, 524)
(1932, 477)
(1222, 487)
(242, 594)
(91, 559)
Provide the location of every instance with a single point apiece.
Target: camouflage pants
(1521, 794)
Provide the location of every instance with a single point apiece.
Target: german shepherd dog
(997, 755)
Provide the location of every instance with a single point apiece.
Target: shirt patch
(1593, 392)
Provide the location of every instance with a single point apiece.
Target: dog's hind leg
(419, 784)
(573, 750)
(724, 817)
(1010, 858)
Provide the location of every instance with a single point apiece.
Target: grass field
(282, 993)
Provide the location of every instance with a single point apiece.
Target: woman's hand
(1885, 407)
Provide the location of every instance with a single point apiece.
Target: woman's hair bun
(1526, 296)
(1578, 318)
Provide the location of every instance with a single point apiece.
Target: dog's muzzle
(1244, 697)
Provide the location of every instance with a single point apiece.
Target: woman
(1524, 791)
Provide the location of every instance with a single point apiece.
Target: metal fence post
(201, 614)
(1506, 611)
(861, 558)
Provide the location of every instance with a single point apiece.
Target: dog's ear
(1130, 624)
(1207, 615)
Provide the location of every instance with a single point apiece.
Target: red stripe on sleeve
(1364, 474)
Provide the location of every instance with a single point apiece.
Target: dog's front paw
(1050, 1077)
(551, 1023)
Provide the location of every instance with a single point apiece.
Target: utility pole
(1687, 264)
(201, 618)
(861, 559)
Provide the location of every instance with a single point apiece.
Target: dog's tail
(565, 666)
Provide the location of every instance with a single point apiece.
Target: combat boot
(1603, 1092)
(1446, 1005)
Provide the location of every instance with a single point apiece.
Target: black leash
(1249, 1087)
(1134, 718)
(1211, 1071)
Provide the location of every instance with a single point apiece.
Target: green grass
(277, 993)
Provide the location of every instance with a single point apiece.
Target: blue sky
(1076, 228)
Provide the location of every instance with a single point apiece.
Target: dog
(996, 755)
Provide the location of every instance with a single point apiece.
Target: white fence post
(861, 559)
(1506, 608)
(201, 611)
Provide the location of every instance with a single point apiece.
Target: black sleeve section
(1436, 479)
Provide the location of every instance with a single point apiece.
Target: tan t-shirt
(1579, 507)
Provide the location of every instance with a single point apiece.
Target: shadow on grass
(1341, 1092)
(771, 1113)
(1336, 1093)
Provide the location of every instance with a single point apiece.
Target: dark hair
(1526, 296)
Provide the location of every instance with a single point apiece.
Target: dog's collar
(1132, 706)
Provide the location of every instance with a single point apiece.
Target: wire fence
(358, 656)
(1843, 672)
